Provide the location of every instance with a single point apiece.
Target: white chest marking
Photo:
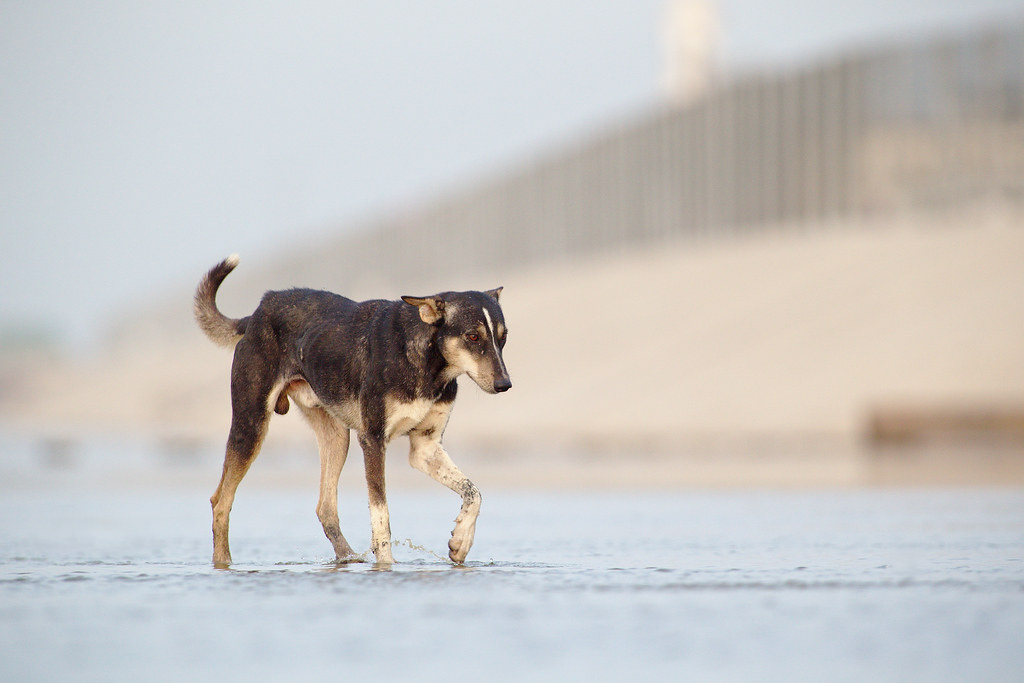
(402, 416)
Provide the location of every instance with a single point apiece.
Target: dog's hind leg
(332, 440)
(252, 398)
(427, 455)
(244, 442)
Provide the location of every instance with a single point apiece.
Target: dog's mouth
(492, 385)
(491, 377)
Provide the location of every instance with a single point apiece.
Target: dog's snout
(502, 384)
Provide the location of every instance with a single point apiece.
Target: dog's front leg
(427, 455)
(380, 521)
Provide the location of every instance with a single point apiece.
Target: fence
(926, 125)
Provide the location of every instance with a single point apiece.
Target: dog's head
(471, 334)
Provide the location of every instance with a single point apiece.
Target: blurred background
(741, 245)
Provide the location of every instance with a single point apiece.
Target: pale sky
(142, 141)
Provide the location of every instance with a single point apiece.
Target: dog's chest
(402, 416)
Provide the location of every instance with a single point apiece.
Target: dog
(382, 369)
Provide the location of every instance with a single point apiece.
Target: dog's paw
(382, 553)
(352, 558)
(462, 538)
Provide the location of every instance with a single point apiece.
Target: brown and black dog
(381, 368)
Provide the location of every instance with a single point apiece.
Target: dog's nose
(502, 384)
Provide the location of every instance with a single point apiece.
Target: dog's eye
(472, 336)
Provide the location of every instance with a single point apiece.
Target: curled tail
(221, 330)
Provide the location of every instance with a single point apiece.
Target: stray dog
(381, 368)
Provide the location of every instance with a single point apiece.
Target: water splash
(367, 557)
(419, 548)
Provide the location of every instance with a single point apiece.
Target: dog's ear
(494, 292)
(431, 307)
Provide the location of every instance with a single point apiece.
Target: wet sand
(841, 585)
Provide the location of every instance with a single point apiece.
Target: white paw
(382, 553)
(462, 538)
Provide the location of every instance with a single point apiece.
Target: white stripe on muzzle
(494, 337)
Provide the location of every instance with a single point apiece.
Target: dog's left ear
(431, 307)
(494, 292)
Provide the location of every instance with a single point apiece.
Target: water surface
(852, 585)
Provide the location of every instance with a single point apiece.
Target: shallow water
(854, 585)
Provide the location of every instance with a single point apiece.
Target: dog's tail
(221, 329)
